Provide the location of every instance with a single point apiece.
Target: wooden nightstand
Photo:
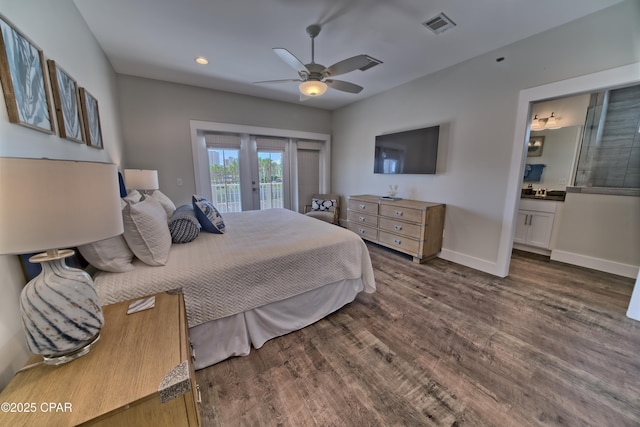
(142, 360)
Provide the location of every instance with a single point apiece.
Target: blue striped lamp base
(60, 310)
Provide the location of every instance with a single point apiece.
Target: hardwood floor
(445, 345)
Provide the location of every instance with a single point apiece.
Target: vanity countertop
(551, 198)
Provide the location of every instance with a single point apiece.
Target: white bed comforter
(263, 257)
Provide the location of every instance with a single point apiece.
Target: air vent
(439, 24)
(372, 63)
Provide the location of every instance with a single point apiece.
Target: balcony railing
(226, 197)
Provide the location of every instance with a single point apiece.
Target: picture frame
(66, 98)
(534, 148)
(91, 119)
(24, 80)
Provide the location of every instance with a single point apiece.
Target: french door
(248, 172)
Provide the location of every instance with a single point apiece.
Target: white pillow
(166, 202)
(146, 231)
(110, 254)
(133, 196)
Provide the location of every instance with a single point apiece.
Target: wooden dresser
(138, 374)
(408, 226)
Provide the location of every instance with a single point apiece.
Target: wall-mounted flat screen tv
(409, 152)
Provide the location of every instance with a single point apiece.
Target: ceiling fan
(315, 77)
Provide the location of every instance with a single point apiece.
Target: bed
(272, 272)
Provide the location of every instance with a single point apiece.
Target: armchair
(325, 207)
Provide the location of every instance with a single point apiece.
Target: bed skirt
(219, 339)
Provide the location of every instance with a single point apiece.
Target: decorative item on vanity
(141, 180)
(51, 204)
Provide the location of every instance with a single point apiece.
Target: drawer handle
(363, 207)
(397, 227)
(397, 241)
(362, 219)
(193, 353)
(199, 398)
(399, 213)
(361, 230)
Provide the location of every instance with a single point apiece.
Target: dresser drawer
(400, 243)
(362, 218)
(405, 214)
(399, 227)
(362, 206)
(363, 231)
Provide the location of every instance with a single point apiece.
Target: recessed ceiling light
(201, 60)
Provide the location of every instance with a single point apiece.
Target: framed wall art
(67, 102)
(23, 76)
(534, 149)
(91, 119)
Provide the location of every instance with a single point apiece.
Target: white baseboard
(533, 249)
(470, 261)
(599, 264)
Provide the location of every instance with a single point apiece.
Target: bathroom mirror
(558, 157)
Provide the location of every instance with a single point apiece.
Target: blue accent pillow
(208, 216)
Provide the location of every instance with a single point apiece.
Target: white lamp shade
(140, 179)
(312, 88)
(52, 204)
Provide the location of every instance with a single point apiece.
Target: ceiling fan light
(312, 88)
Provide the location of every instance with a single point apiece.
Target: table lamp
(46, 205)
(140, 179)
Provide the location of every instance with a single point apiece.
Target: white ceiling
(159, 39)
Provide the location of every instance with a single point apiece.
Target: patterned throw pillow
(208, 216)
(322, 205)
(183, 225)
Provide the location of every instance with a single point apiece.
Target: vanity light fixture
(552, 123)
(538, 123)
(201, 60)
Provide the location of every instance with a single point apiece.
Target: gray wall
(155, 118)
(58, 29)
(478, 99)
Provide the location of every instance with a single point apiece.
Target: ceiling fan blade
(304, 97)
(278, 81)
(290, 59)
(347, 65)
(343, 86)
